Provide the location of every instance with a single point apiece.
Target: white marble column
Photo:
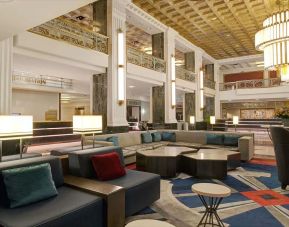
(217, 96)
(169, 44)
(116, 112)
(266, 77)
(6, 67)
(198, 62)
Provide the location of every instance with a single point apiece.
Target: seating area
(144, 113)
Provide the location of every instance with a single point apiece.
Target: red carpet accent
(267, 197)
(131, 166)
(270, 162)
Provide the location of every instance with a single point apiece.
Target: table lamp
(235, 122)
(212, 121)
(192, 121)
(87, 124)
(15, 127)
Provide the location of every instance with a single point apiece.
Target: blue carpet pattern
(237, 209)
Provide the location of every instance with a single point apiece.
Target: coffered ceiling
(223, 28)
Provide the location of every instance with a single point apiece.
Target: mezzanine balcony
(185, 74)
(145, 60)
(209, 84)
(250, 84)
(64, 30)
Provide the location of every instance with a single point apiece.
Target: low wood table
(149, 223)
(215, 194)
(211, 163)
(163, 160)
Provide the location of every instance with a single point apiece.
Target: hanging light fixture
(273, 39)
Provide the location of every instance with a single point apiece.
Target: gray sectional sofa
(71, 207)
(141, 188)
(131, 142)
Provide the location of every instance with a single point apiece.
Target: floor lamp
(87, 124)
(192, 121)
(212, 121)
(15, 127)
(235, 122)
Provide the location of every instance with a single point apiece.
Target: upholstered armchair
(280, 138)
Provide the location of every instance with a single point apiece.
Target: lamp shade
(87, 123)
(12, 125)
(192, 120)
(212, 120)
(235, 120)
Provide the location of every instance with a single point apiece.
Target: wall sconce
(201, 89)
(173, 80)
(212, 121)
(15, 127)
(120, 67)
(235, 122)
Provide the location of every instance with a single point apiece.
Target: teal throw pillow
(157, 136)
(231, 140)
(146, 137)
(215, 139)
(169, 136)
(114, 140)
(29, 184)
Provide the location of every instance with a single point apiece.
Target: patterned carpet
(256, 200)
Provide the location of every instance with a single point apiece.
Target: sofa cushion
(114, 140)
(80, 161)
(216, 139)
(28, 184)
(107, 166)
(157, 136)
(169, 136)
(56, 170)
(141, 190)
(231, 140)
(71, 207)
(146, 137)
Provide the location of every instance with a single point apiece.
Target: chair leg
(283, 186)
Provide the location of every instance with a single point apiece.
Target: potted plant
(283, 113)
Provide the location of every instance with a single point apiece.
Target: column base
(116, 129)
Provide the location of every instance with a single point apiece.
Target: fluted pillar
(6, 66)
(116, 111)
(170, 111)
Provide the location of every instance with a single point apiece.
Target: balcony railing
(140, 58)
(72, 33)
(184, 74)
(248, 84)
(210, 84)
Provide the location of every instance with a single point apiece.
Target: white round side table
(149, 223)
(215, 194)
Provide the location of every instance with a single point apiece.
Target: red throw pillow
(107, 166)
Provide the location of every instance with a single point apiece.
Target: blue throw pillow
(216, 139)
(157, 136)
(146, 137)
(114, 140)
(29, 184)
(231, 140)
(169, 136)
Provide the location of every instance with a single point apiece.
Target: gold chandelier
(273, 39)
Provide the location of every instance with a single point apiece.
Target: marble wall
(99, 97)
(158, 94)
(190, 106)
(209, 109)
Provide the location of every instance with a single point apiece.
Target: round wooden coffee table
(149, 223)
(215, 194)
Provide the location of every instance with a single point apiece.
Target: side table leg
(211, 212)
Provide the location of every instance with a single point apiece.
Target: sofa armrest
(114, 197)
(246, 147)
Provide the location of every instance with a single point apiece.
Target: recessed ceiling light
(214, 18)
(131, 86)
